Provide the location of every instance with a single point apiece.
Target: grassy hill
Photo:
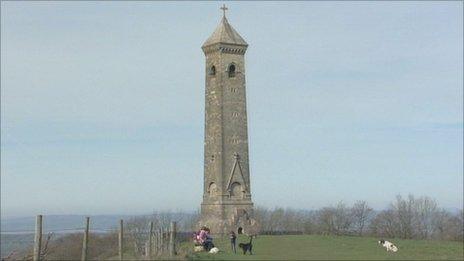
(334, 247)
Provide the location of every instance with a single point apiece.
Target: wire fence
(149, 240)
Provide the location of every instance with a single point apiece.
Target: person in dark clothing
(232, 237)
(208, 242)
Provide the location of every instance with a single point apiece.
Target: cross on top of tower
(224, 9)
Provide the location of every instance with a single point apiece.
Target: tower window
(213, 189)
(212, 70)
(236, 190)
(231, 71)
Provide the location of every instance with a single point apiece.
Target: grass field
(304, 247)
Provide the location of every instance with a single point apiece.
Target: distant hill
(58, 223)
(98, 223)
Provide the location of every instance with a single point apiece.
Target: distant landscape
(18, 233)
(59, 223)
(406, 218)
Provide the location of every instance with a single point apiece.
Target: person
(204, 239)
(208, 242)
(202, 235)
(232, 237)
(199, 237)
(196, 238)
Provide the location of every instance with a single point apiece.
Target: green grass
(304, 247)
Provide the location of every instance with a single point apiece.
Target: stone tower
(227, 201)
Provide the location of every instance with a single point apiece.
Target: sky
(102, 103)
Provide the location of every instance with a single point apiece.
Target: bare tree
(136, 229)
(10, 256)
(190, 222)
(448, 226)
(425, 210)
(44, 251)
(384, 224)
(404, 212)
(418, 218)
(361, 213)
(261, 215)
(276, 220)
(343, 219)
(459, 226)
(326, 220)
(335, 220)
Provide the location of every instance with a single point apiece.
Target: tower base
(222, 218)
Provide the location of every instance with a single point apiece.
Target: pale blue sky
(102, 103)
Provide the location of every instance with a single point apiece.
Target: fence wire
(134, 237)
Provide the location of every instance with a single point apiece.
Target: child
(196, 238)
(199, 237)
(202, 235)
(233, 237)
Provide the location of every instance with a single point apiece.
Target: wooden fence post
(160, 240)
(120, 241)
(86, 238)
(155, 243)
(150, 241)
(166, 240)
(37, 238)
(172, 239)
(155, 235)
(146, 246)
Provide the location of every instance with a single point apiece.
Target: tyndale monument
(227, 204)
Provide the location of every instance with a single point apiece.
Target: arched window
(212, 189)
(236, 190)
(231, 71)
(212, 70)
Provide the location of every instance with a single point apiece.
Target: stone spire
(227, 204)
(225, 34)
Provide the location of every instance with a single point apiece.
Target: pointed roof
(225, 33)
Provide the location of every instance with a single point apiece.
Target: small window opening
(231, 71)
(212, 70)
(240, 230)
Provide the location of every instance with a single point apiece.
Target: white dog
(214, 250)
(388, 245)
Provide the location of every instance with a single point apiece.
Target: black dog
(247, 247)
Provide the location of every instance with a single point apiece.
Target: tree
(276, 220)
(343, 219)
(425, 210)
(404, 213)
(261, 215)
(326, 220)
(361, 213)
(384, 224)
